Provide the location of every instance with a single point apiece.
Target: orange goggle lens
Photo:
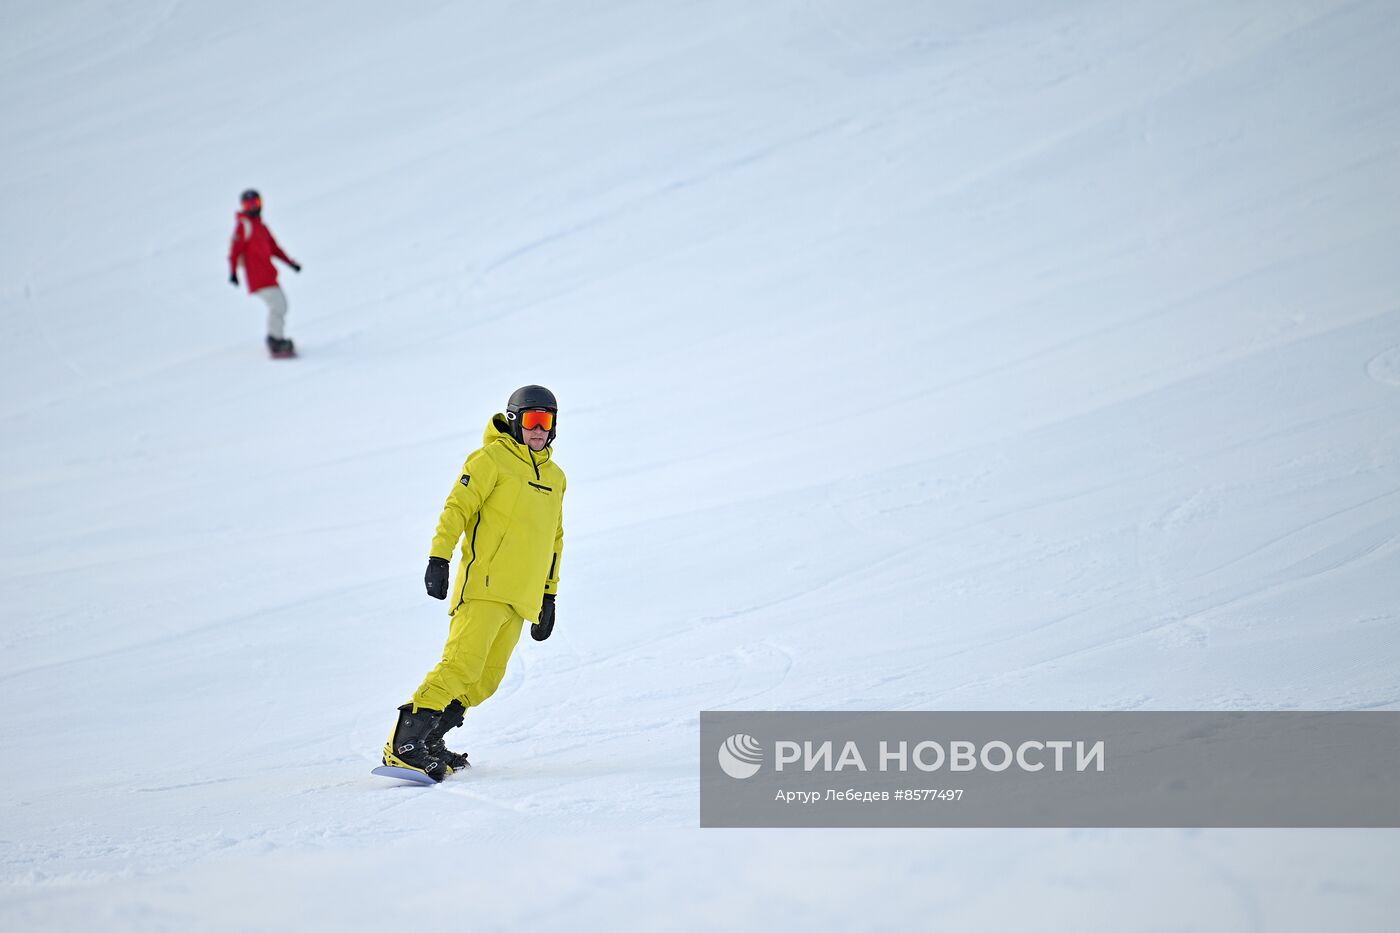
(529, 420)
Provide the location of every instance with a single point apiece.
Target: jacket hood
(498, 432)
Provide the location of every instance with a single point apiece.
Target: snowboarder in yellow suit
(506, 509)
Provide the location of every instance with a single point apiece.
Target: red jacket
(253, 243)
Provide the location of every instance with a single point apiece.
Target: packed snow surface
(911, 355)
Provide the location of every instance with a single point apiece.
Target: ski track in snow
(1385, 367)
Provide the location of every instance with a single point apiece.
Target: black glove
(435, 580)
(540, 630)
(233, 277)
(296, 266)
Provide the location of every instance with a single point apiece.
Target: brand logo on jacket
(465, 480)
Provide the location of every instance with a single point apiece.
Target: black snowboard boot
(451, 718)
(408, 745)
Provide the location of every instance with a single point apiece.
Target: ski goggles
(252, 204)
(529, 420)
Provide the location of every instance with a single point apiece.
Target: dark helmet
(251, 201)
(531, 398)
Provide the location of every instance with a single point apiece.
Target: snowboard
(285, 355)
(403, 774)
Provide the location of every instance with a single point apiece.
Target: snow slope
(957, 355)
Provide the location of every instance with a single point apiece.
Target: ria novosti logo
(741, 756)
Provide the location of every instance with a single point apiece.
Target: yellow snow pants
(479, 643)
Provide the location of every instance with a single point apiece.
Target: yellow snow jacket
(507, 510)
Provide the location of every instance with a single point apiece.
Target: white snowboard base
(403, 774)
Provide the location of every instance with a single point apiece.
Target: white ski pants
(276, 310)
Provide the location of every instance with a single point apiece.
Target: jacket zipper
(466, 574)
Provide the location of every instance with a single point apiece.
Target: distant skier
(254, 246)
(507, 510)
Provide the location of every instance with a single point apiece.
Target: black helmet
(528, 398)
(251, 201)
